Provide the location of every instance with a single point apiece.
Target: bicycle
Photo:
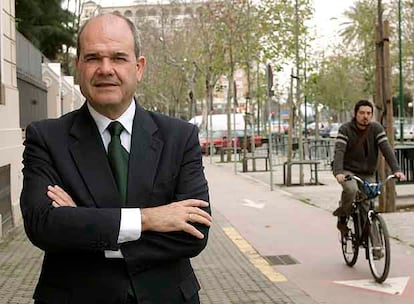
(364, 226)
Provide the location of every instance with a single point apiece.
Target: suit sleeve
(154, 248)
(65, 228)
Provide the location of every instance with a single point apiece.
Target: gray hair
(131, 25)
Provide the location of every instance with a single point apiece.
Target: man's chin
(106, 100)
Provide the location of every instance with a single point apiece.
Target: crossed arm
(72, 225)
(175, 216)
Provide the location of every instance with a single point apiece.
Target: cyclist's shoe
(340, 211)
(341, 225)
(377, 253)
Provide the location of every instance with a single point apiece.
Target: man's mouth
(105, 84)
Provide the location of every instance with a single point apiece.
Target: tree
(338, 84)
(46, 25)
(359, 36)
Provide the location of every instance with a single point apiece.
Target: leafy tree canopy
(46, 24)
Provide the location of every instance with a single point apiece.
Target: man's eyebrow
(120, 53)
(91, 54)
(112, 54)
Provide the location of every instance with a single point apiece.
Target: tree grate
(283, 259)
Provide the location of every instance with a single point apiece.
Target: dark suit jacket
(165, 165)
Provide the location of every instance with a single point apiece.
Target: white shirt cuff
(129, 230)
(112, 254)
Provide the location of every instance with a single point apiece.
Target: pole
(306, 100)
(401, 93)
(298, 88)
(234, 127)
(380, 100)
(390, 191)
(269, 133)
(258, 99)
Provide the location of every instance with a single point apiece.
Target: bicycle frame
(367, 229)
(364, 220)
(373, 192)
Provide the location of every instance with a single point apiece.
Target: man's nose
(106, 66)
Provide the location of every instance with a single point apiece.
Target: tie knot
(115, 128)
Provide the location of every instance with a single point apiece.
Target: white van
(219, 121)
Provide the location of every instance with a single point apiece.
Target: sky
(328, 17)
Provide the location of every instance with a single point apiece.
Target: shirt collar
(126, 119)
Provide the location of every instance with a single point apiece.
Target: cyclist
(356, 153)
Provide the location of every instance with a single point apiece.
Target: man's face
(363, 117)
(108, 70)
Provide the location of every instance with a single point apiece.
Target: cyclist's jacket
(356, 150)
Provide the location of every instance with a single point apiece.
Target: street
(280, 223)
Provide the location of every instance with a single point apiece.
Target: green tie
(118, 158)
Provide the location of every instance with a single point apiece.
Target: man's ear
(141, 63)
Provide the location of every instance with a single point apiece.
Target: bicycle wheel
(379, 251)
(349, 242)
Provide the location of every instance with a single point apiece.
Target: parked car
(279, 128)
(325, 132)
(408, 130)
(219, 140)
(333, 133)
(311, 127)
(217, 137)
(239, 139)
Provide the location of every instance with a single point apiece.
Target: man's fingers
(194, 203)
(59, 196)
(193, 231)
(63, 193)
(201, 213)
(195, 218)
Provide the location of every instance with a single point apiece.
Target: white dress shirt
(130, 228)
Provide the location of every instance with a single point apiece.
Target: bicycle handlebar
(358, 179)
(372, 190)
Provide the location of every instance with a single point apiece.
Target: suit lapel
(143, 159)
(89, 155)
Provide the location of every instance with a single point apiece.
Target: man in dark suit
(114, 195)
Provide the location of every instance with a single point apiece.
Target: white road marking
(253, 204)
(393, 286)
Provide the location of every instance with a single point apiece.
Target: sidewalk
(326, 195)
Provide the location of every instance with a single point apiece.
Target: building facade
(10, 133)
(31, 88)
(179, 13)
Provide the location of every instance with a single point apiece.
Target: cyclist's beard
(363, 124)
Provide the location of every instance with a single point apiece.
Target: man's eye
(120, 59)
(91, 59)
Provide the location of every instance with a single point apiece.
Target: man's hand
(400, 176)
(59, 197)
(176, 216)
(340, 178)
